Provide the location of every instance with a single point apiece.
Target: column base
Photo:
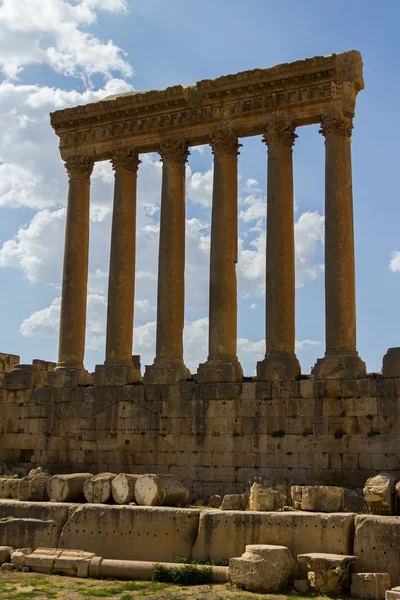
(23, 377)
(391, 363)
(163, 373)
(279, 366)
(220, 371)
(339, 366)
(69, 375)
(116, 374)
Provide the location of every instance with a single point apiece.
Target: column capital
(336, 124)
(125, 159)
(79, 167)
(280, 132)
(225, 140)
(174, 150)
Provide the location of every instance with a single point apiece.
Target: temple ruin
(212, 428)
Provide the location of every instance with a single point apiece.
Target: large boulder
(371, 586)
(264, 497)
(263, 568)
(322, 498)
(379, 494)
(235, 502)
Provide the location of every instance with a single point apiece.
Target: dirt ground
(32, 586)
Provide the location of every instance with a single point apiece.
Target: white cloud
(256, 208)
(50, 32)
(394, 265)
(199, 187)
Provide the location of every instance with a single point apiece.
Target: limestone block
(42, 560)
(263, 497)
(160, 490)
(123, 488)
(24, 377)
(327, 573)
(370, 585)
(262, 568)
(235, 502)
(391, 363)
(8, 361)
(67, 488)
(377, 545)
(144, 533)
(73, 562)
(5, 554)
(296, 493)
(322, 498)
(8, 567)
(393, 594)
(224, 538)
(18, 557)
(97, 490)
(354, 501)
(378, 494)
(9, 488)
(32, 524)
(215, 501)
(33, 488)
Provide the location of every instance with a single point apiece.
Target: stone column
(222, 364)
(118, 368)
(75, 272)
(280, 361)
(168, 366)
(341, 359)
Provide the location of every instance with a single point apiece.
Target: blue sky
(61, 53)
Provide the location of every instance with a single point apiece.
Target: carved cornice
(125, 159)
(303, 89)
(280, 133)
(79, 167)
(174, 151)
(336, 125)
(225, 140)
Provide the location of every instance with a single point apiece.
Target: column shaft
(341, 357)
(75, 271)
(168, 366)
(280, 362)
(223, 364)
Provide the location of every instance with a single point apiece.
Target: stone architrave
(168, 367)
(222, 364)
(118, 368)
(341, 359)
(75, 271)
(280, 362)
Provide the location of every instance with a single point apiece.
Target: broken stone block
(354, 501)
(67, 488)
(215, 501)
(123, 488)
(5, 554)
(322, 498)
(378, 494)
(265, 498)
(18, 557)
(8, 567)
(327, 573)
(160, 490)
(370, 585)
(262, 568)
(393, 594)
(33, 488)
(235, 502)
(97, 490)
(296, 493)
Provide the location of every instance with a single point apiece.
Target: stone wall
(215, 437)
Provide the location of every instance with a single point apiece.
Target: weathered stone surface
(160, 490)
(296, 493)
(67, 488)
(131, 532)
(377, 545)
(327, 573)
(322, 498)
(123, 488)
(5, 554)
(354, 501)
(379, 494)
(393, 594)
(224, 538)
(301, 585)
(33, 488)
(31, 525)
(263, 497)
(215, 501)
(235, 502)
(262, 568)
(370, 585)
(8, 567)
(18, 557)
(97, 490)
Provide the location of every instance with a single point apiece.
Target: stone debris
(18, 557)
(296, 493)
(215, 501)
(235, 502)
(33, 487)
(263, 568)
(5, 554)
(265, 498)
(379, 494)
(8, 567)
(160, 490)
(354, 501)
(123, 488)
(370, 585)
(97, 490)
(322, 498)
(67, 488)
(393, 594)
(327, 573)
